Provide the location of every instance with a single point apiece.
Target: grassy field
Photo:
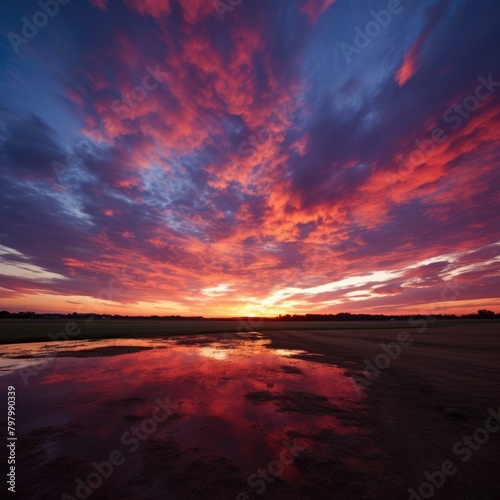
(39, 330)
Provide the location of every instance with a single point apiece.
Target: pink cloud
(153, 8)
(101, 4)
(313, 9)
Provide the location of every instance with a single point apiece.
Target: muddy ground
(438, 390)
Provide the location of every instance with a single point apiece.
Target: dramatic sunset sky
(260, 159)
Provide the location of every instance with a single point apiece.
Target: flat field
(238, 396)
(39, 330)
(438, 391)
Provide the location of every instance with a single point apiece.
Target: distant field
(38, 330)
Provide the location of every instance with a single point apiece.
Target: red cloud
(154, 8)
(409, 66)
(196, 10)
(410, 61)
(313, 9)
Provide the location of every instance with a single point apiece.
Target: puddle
(233, 403)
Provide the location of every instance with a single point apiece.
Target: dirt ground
(436, 392)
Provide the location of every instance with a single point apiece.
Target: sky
(249, 157)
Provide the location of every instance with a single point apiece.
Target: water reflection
(237, 400)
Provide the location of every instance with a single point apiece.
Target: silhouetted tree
(485, 314)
